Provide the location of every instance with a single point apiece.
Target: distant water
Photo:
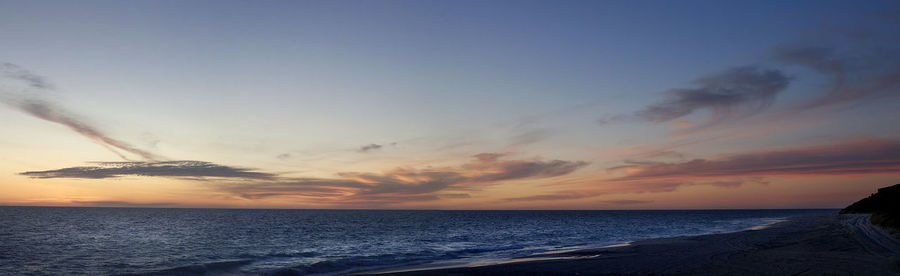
(99, 241)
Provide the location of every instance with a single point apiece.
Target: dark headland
(842, 244)
(884, 207)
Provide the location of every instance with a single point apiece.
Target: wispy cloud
(369, 147)
(283, 156)
(733, 94)
(29, 100)
(15, 72)
(529, 136)
(858, 157)
(855, 73)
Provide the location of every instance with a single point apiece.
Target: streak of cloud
(628, 201)
(369, 147)
(529, 137)
(557, 196)
(164, 169)
(854, 74)
(283, 156)
(733, 94)
(116, 203)
(56, 114)
(31, 103)
(15, 72)
(858, 157)
(637, 186)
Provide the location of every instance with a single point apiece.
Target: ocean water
(148, 241)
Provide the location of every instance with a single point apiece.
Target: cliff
(883, 205)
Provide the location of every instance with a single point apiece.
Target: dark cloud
(369, 147)
(32, 104)
(732, 94)
(163, 169)
(855, 72)
(865, 156)
(613, 119)
(488, 157)
(857, 65)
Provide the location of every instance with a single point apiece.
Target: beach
(806, 245)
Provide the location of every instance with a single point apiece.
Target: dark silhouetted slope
(883, 205)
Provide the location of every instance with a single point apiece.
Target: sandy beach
(819, 245)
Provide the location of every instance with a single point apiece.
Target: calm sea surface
(101, 241)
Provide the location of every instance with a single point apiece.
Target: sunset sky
(448, 104)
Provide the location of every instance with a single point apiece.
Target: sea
(158, 241)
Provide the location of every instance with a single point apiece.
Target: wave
(217, 268)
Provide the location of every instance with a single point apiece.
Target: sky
(448, 104)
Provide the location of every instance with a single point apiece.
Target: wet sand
(821, 245)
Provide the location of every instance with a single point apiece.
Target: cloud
(283, 156)
(486, 168)
(31, 103)
(296, 187)
(114, 203)
(529, 137)
(459, 195)
(857, 157)
(393, 186)
(575, 195)
(628, 201)
(637, 186)
(854, 73)
(369, 147)
(733, 94)
(12, 71)
(525, 169)
(857, 66)
(558, 196)
(53, 113)
(396, 185)
(163, 169)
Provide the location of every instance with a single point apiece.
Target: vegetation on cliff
(883, 205)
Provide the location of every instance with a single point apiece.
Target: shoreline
(543, 256)
(814, 245)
